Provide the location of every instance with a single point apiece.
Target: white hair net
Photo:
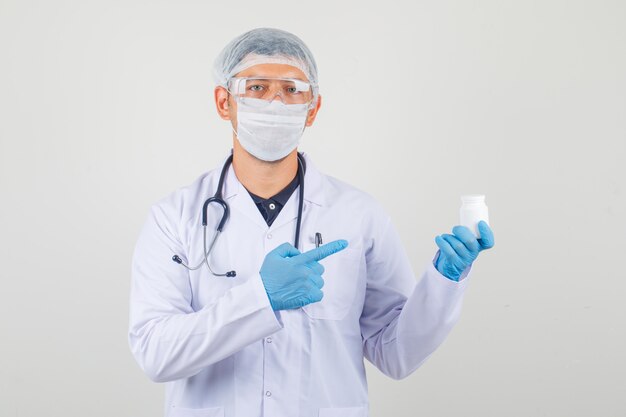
(264, 46)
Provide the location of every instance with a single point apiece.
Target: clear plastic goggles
(290, 90)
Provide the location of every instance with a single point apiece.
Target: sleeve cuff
(263, 301)
(432, 270)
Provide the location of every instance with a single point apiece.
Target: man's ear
(313, 112)
(221, 102)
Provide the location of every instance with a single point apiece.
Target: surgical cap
(264, 46)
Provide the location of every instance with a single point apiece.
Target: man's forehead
(273, 71)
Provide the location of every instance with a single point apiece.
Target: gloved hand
(293, 279)
(458, 251)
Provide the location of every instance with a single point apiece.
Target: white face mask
(270, 131)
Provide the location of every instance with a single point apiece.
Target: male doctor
(267, 320)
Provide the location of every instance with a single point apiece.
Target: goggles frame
(236, 86)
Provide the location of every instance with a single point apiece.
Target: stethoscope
(217, 198)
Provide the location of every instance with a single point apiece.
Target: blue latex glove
(458, 251)
(293, 279)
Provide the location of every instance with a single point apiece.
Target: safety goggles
(290, 90)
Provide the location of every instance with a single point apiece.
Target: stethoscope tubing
(217, 198)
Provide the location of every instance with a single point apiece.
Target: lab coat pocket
(343, 412)
(196, 412)
(341, 275)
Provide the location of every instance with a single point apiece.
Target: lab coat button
(272, 206)
(268, 394)
(268, 340)
(269, 235)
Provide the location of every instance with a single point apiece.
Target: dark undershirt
(270, 207)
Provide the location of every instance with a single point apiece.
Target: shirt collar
(282, 196)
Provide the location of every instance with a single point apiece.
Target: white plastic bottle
(473, 210)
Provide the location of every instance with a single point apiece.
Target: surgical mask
(269, 130)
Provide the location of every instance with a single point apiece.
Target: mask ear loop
(310, 107)
(230, 93)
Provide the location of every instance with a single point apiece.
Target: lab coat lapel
(240, 200)
(313, 183)
(312, 194)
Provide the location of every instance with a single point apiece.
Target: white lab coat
(223, 351)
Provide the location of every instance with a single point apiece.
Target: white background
(106, 106)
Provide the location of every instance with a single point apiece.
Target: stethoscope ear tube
(301, 168)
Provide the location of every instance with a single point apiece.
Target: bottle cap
(473, 198)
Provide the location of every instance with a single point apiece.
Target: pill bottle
(473, 210)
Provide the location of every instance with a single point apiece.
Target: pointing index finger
(323, 251)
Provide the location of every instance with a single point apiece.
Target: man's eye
(292, 90)
(256, 87)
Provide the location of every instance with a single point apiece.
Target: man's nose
(273, 96)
